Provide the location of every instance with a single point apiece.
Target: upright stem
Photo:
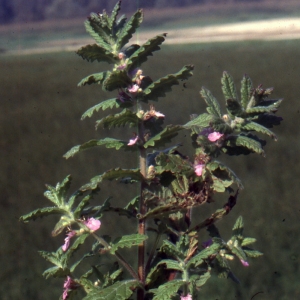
(142, 211)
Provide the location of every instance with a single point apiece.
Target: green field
(41, 107)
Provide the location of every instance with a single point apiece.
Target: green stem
(118, 256)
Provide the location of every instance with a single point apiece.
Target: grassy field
(40, 120)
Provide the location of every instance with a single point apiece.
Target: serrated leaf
(128, 241)
(160, 87)
(126, 116)
(76, 264)
(163, 137)
(95, 78)
(42, 212)
(107, 142)
(246, 89)
(53, 257)
(56, 272)
(170, 265)
(244, 141)
(253, 126)
(141, 54)
(114, 14)
(129, 29)
(111, 175)
(75, 246)
(171, 250)
(270, 106)
(120, 290)
(202, 121)
(82, 204)
(211, 101)
(228, 87)
(101, 34)
(201, 280)
(116, 80)
(96, 52)
(110, 103)
(61, 225)
(252, 253)
(199, 258)
(167, 290)
(248, 241)
(238, 227)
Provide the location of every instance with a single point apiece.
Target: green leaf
(246, 91)
(61, 225)
(53, 257)
(238, 227)
(272, 107)
(107, 142)
(96, 52)
(94, 26)
(129, 29)
(253, 126)
(112, 174)
(228, 87)
(141, 55)
(114, 14)
(95, 78)
(82, 204)
(127, 241)
(247, 241)
(56, 272)
(116, 80)
(120, 290)
(110, 103)
(244, 141)
(202, 121)
(252, 253)
(161, 86)
(201, 280)
(199, 258)
(57, 194)
(165, 136)
(42, 212)
(126, 116)
(213, 105)
(171, 250)
(167, 290)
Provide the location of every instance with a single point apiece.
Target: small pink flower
(159, 115)
(133, 89)
(92, 224)
(244, 263)
(214, 136)
(69, 284)
(66, 245)
(133, 141)
(187, 297)
(121, 55)
(199, 169)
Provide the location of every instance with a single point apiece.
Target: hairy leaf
(94, 78)
(253, 126)
(252, 253)
(129, 29)
(116, 80)
(228, 87)
(56, 272)
(234, 107)
(96, 52)
(113, 17)
(163, 137)
(247, 241)
(120, 290)
(171, 250)
(213, 105)
(126, 116)
(201, 122)
(142, 53)
(161, 86)
(246, 91)
(107, 142)
(238, 227)
(42, 212)
(127, 241)
(167, 290)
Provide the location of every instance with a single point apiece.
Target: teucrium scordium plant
(179, 261)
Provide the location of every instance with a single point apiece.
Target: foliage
(171, 184)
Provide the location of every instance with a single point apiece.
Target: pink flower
(66, 245)
(214, 136)
(187, 297)
(69, 284)
(244, 263)
(199, 169)
(159, 115)
(133, 89)
(92, 224)
(133, 141)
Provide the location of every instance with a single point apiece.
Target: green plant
(171, 184)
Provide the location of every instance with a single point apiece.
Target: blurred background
(41, 107)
